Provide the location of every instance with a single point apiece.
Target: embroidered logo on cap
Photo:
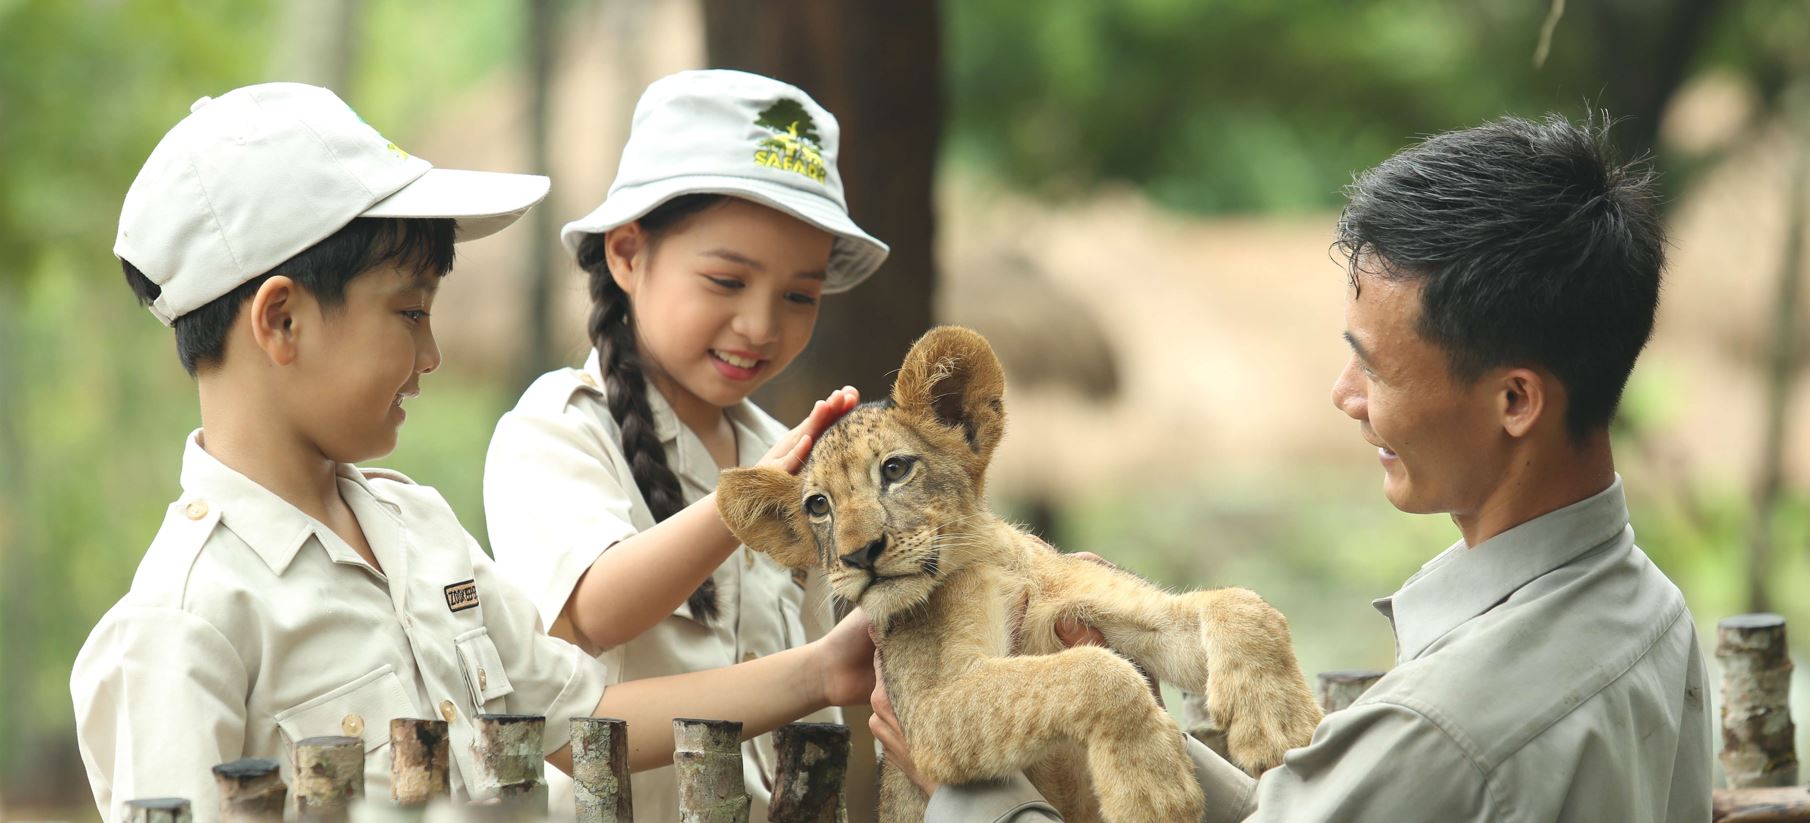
(795, 145)
(462, 596)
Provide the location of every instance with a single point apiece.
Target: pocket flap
(362, 708)
(483, 667)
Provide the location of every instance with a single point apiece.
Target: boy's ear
(952, 378)
(272, 314)
(761, 507)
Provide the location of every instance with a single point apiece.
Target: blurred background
(1133, 200)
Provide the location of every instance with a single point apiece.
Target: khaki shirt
(558, 492)
(1550, 674)
(251, 626)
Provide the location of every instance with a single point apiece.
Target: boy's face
(1440, 441)
(367, 357)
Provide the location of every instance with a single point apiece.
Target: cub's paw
(1267, 723)
(1145, 778)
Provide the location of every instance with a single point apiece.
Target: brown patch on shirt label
(462, 596)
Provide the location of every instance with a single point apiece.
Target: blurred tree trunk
(539, 46)
(320, 43)
(1642, 52)
(19, 587)
(877, 67)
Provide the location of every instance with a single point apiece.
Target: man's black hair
(1532, 243)
(421, 245)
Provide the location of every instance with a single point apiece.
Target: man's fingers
(1073, 632)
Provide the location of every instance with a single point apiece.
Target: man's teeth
(733, 360)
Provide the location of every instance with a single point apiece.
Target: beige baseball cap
(258, 175)
(731, 132)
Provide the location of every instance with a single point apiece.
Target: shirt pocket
(362, 708)
(482, 667)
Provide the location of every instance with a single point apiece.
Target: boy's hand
(845, 661)
(886, 729)
(789, 453)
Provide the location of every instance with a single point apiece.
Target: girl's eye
(817, 505)
(895, 468)
(801, 298)
(725, 282)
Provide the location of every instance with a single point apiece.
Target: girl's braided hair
(612, 330)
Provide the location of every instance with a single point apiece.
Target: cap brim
(482, 202)
(854, 254)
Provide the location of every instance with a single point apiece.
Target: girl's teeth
(738, 362)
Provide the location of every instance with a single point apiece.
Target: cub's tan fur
(891, 507)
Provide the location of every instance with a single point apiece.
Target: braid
(612, 331)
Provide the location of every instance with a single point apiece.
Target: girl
(724, 228)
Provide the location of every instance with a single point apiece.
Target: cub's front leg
(1006, 714)
(1225, 643)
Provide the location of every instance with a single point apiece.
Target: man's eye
(895, 468)
(817, 505)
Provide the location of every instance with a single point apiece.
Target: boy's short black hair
(1532, 243)
(424, 245)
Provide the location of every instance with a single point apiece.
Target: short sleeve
(553, 501)
(160, 699)
(552, 678)
(1376, 762)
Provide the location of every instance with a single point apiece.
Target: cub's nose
(866, 556)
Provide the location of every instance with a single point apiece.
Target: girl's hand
(789, 453)
(844, 661)
(886, 729)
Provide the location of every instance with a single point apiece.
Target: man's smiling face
(1439, 439)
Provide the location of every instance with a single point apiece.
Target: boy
(1503, 279)
(288, 595)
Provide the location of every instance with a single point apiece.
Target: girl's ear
(273, 318)
(625, 250)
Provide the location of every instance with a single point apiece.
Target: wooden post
(807, 783)
(251, 791)
(1339, 690)
(708, 757)
(1789, 805)
(510, 761)
(1757, 746)
(418, 761)
(600, 772)
(329, 777)
(158, 810)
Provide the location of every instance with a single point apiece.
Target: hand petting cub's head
(888, 503)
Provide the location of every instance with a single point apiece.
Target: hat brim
(854, 254)
(481, 203)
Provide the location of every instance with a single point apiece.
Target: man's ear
(952, 378)
(1523, 399)
(761, 506)
(272, 312)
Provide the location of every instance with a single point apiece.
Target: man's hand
(789, 453)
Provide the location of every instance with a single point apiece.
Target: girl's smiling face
(723, 301)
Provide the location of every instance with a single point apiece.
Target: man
(1502, 281)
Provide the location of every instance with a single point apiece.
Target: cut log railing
(158, 810)
(1790, 805)
(329, 778)
(1338, 690)
(251, 791)
(418, 761)
(1757, 734)
(708, 757)
(600, 775)
(807, 785)
(510, 761)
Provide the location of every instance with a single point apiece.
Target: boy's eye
(414, 315)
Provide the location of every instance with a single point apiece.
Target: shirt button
(481, 678)
(352, 725)
(448, 711)
(196, 510)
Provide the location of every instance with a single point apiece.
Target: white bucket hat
(740, 134)
(260, 174)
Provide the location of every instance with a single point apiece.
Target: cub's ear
(761, 507)
(952, 377)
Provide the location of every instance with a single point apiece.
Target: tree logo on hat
(795, 145)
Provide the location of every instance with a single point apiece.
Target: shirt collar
(1462, 583)
(273, 527)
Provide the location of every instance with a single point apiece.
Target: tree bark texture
(251, 791)
(600, 773)
(1339, 690)
(1757, 733)
(510, 761)
(813, 760)
(708, 757)
(418, 761)
(329, 778)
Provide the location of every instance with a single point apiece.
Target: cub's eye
(817, 505)
(895, 468)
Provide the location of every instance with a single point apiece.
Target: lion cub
(890, 505)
